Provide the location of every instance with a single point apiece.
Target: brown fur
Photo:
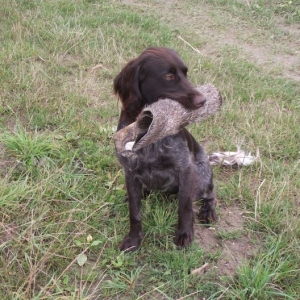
(175, 164)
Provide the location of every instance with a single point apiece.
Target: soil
(280, 51)
(7, 232)
(7, 164)
(231, 252)
(275, 47)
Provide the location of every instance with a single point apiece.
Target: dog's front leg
(132, 240)
(185, 232)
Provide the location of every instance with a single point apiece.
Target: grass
(62, 210)
(263, 279)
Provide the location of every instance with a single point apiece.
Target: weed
(261, 279)
(31, 149)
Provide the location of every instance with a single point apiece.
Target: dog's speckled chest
(157, 165)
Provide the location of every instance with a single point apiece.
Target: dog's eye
(170, 76)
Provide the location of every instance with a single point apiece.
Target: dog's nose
(199, 100)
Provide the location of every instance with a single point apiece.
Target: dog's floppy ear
(126, 86)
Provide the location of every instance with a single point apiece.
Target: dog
(175, 164)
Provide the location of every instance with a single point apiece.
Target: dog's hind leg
(206, 193)
(207, 213)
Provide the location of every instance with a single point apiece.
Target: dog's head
(156, 73)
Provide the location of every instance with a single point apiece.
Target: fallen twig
(186, 42)
(200, 270)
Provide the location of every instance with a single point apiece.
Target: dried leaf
(81, 259)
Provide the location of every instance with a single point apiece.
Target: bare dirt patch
(275, 48)
(283, 59)
(228, 240)
(7, 232)
(7, 164)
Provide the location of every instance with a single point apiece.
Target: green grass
(62, 209)
(264, 278)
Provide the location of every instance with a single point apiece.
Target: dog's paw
(184, 238)
(207, 214)
(130, 243)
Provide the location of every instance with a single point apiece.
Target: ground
(228, 240)
(275, 49)
(62, 209)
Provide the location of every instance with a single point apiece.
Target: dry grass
(62, 212)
